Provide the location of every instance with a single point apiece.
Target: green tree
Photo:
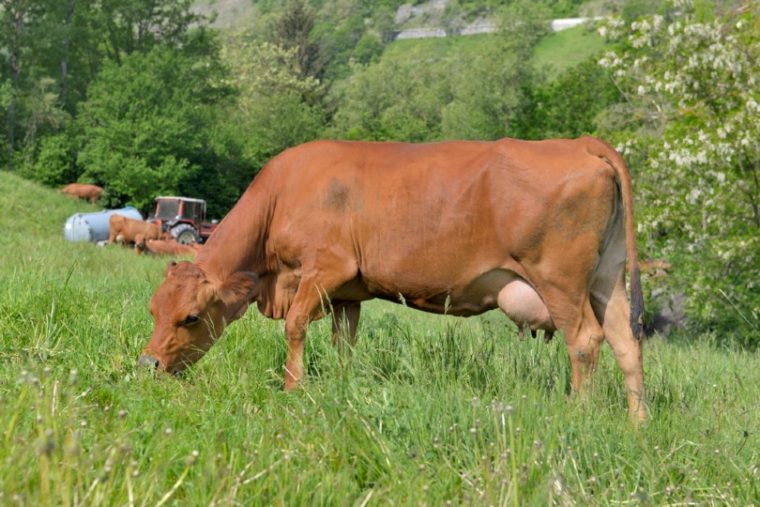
(689, 124)
(146, 126)
(568, 106)
(394, 99)
(53, 49)
(130, 26)
(18, 24)
(493, 93)
(272, 111)
(293, 30)
(55, 163)
(67, 48)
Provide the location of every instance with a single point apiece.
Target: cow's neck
(237, 244)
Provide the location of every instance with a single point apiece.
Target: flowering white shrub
(692, 135)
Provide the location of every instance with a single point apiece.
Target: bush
(55, 163)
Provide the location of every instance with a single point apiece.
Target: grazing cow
(539, 229)
(122, 229)
(165, 247)
(83, 191)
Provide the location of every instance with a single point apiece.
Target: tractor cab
(184, 218)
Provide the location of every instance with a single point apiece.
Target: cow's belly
(512, 294)
(497, 288)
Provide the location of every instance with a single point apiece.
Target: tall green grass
(430, 410)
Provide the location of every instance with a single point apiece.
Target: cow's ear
(170, 267)
(238, 289)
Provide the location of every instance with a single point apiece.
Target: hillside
(432, 409)
(227, 14)
(239, 14)
(557, 51)
(561, 50)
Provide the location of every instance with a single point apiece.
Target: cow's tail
(606, 152)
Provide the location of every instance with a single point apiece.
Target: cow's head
(139, 243)
(190, 311)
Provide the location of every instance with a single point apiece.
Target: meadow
(429, 410)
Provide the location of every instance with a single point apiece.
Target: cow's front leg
(344, 325)
(313, 291)
(295, 331)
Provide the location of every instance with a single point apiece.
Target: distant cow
(165, 247)
(539, 229)
(125, 230)
(83, 191)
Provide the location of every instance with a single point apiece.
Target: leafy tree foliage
(275, 107)
(56, 161)
(18, 19)
(491, 94)
(569, 106)
(292, 30)
(139, 25)
(691, 124)
(393, 100)
(146, 126)
(61, 45)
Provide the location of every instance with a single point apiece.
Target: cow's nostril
(148, 361)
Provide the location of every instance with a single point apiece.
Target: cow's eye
(190, 320)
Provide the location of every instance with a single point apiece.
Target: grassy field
(430, 410)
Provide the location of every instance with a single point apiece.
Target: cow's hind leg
(345, 321)
(614, 310)
(573, 315)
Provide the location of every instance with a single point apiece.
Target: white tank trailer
(94, 226)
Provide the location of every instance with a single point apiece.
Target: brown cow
(83, 191)
(165, 247)
(122, 229)
(539, 229)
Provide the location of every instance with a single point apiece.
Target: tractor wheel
(185, 234)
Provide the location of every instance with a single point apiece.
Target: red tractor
(184, 218)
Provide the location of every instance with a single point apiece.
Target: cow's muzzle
(149, 361)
